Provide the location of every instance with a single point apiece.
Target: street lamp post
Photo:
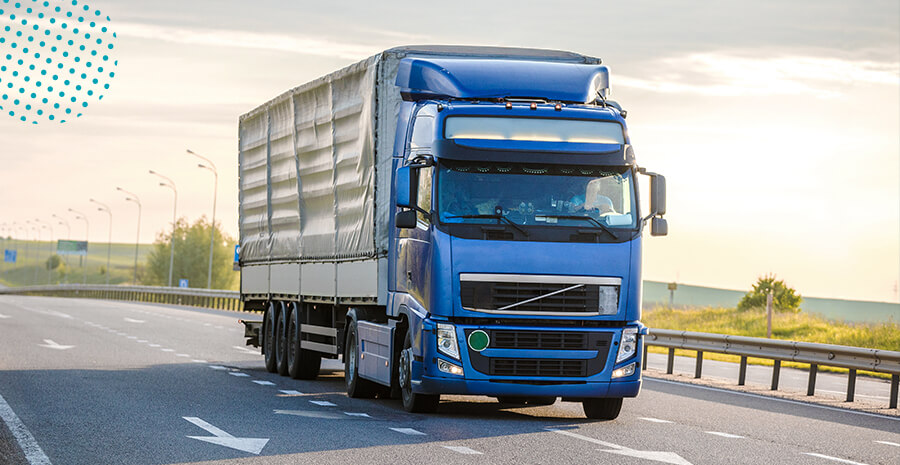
(37, 235)
(212, 235)
(87, 233)
(25, 236)
(105, 208)
(134, 198)
(64, 222)
(49, 248)
(170, 184)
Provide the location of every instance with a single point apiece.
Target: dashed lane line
(408, 431)
(290, 392)
(653, 420)
(725, 435)
(462, 450)
(355, 414)
(218, 367)
(833, 459)
(888, 443)
(263, 383)
(167, 350)
(323, 403)
(238, 374)
(33, 452)
(199, 361)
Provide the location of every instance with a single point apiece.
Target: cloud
(254, 40)
(724, 75)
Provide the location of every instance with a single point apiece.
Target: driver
(602, 204)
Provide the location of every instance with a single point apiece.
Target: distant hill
(657, 293)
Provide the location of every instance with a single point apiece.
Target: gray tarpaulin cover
(315, 167)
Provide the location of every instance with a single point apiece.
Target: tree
(191, 256)
(785, 299)
(53, 262)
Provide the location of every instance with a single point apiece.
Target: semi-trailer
(449, 220)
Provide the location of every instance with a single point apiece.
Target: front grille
(539, 340)
(503, 296)
(537, 367)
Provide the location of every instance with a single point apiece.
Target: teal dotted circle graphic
(56, 59)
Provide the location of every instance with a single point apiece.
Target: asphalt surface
(95, 382)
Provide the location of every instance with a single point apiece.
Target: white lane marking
(50, 344)
(776, 399)
(182, 355)
(664, 457)
(142, 340)
(33, 452)
(725, 435)
(290, 392)
(323, 403)
(834, 459)
(238, 374)
(354, 414)
(654, 420)
(462, 450)
(857, 395)
(154, 345)
(132, 337)
(199, 361)
(218, 367)
(131, 320)
(167, 350)
(3, 317)
(246, 350)
(408, 431)
(263, 383)
(207, 324)
(250, 445)
(888, 443)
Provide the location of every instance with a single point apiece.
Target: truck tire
(281, 345)
(412, 402)
(302, 364)
(269, 338)
(602, 409)
(356, 387)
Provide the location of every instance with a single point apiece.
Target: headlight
(446, 340)
(448, 367)
(628, 345)
(626, 370)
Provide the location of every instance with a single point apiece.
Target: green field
(30, 267)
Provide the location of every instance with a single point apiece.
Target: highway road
(100, 382)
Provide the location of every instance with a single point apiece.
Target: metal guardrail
(209, 298)
(851, 358)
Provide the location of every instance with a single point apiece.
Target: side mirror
(658, 194)
(405, 219)
(404, 187)
(659, 226)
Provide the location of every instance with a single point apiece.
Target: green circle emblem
(479, 340)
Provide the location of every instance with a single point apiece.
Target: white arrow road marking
(462, 450)
(664, 457)
(131, 320)
(250, 445)
(3, 317)
(408, 431)
(835, 459)
(53, 345)
(888, 443)
(323, 403)
(725, 435)
(246, 350)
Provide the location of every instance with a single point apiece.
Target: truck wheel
(281, 345)
(269, 338)
(412, 402)
(602, 409)
(302, 364)
(356, 387)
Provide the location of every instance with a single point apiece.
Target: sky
(777, 124)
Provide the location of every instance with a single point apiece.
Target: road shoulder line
(33, 452)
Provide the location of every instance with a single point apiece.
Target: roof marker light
(558, 107)
(533, 106)
(509, 105)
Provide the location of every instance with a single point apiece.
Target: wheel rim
(404, 375)
(351, 357)
(292, 343)
(270, 332)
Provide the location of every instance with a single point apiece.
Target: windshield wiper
(584, 218)
(496, 216)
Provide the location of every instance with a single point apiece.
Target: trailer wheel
(602, 409)
(281, 345)
(269, 338)
(302, 364)
(412, 402)
(356, 387)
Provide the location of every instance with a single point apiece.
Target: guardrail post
(776, 372)
(742, 372)
(895, 384)
(851, 385)
(644, 361)
(811, 387)
(698, 369)
(670, 364)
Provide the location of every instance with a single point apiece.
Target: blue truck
(449, 220)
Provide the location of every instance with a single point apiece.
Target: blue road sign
(182, 283)
(9, 256)
(237, 253)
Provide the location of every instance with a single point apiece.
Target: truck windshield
(532, 194)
